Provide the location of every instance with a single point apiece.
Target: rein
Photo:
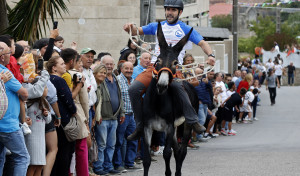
(182, 68)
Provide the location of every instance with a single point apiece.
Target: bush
(222, 21)
(247, 44)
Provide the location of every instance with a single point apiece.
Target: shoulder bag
(72, 129)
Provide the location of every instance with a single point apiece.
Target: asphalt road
(268, 147)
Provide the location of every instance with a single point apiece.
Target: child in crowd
(233, 101)
(58, 43)
(256, 98)
(217, 99)
(249, 97)
(38, 110)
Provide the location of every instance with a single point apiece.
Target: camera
(77, 78)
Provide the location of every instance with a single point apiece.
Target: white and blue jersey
(173, 34)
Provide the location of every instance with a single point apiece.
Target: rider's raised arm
(207, 50)
(127, 27)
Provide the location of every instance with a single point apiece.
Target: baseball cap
(87, 50)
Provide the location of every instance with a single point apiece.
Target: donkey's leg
(183, 148)
(147, 142)
(168, 151)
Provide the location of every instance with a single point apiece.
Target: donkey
(161, 106)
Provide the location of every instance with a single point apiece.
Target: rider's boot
(198, 128)
(138, 132)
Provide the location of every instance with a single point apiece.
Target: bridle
(156, 74)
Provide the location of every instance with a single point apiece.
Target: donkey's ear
(161, 38)
(178, 47)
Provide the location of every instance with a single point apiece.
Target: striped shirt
(124, 85)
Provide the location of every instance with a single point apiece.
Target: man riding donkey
(174, 30)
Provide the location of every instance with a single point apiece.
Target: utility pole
(278, 19)
(147, 15)
(235, 35)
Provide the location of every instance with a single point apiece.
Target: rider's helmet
(174, 4)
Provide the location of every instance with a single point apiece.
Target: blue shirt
(173, 34)
(113, 93)
(237, 82)
(10, 121)
(137, 70)
(203, 92)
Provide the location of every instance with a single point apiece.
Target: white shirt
(269, 65)
(234, 79)
(223, 87)
(90, 81)
(278, 70)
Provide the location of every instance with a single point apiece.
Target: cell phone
(40, 64)
(55, 23)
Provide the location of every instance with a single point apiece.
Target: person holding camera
(75, 81)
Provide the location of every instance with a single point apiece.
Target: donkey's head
(167, 60)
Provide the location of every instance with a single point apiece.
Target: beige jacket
(82, 104)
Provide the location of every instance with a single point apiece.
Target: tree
(28, 19)
(222, 21)
(3, 15)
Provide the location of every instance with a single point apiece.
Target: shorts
(220, 115)
(227, 114)
(246, 108)
(50, 126)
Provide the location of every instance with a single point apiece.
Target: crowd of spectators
(48, 86)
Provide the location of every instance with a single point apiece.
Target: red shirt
(15, 69)
(243, 84)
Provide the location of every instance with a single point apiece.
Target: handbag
(93, 150)
(72, 129)
(3, 100)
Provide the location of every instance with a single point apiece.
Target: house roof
(216, 33)
(220, 9)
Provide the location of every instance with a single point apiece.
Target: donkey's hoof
(179, 121)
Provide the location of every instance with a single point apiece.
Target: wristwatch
(212, 55)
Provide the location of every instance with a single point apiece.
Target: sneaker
(215, 134)
(193, 147)
(133, 168)
(212, 136)
(202, 140)
(240, 121)
(138, 161)
(121, 169)
(160, 151)
(8, 152)
(233, 131)
(231, 134)
(245, 121)
(255, 119)
(101, 172)
(153, 159)
(206, 137)
(114, 172)
(223, 132)
(246, 118)
(25, 128)
(233, 121)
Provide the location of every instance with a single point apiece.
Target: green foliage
(247, 45)
(222, 21)
(265, 27)
(265, 33)
(282, 39)
(28, 19)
